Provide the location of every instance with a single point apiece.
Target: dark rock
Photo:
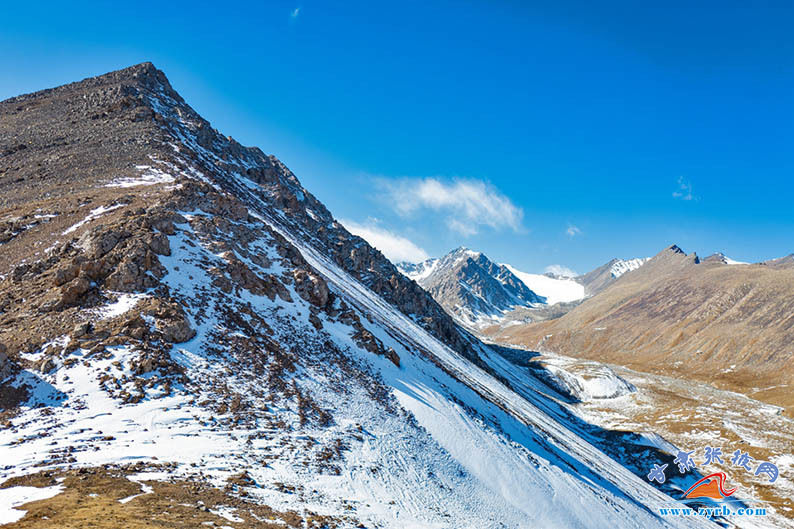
(158, 242)
(82, 329)
(311, 287)
(6, 366)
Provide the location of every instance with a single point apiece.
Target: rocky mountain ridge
(600, 278)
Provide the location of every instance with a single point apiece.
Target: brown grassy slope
(682, 318)
(90, 499)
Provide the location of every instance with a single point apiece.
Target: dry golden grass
(91, 500)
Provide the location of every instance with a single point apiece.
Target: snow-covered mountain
(188, 336)
(600, 278)
(475, 290)
(478, 292)
(621, 266)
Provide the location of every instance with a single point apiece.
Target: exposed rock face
(279, 190)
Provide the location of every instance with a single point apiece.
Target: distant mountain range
(479, 292)
(718, 319)
(715, 319)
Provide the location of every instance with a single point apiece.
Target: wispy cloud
(573, 231)
(466, 204)
(395, 247)
(684, 191)
(560, 270)
(294, 13)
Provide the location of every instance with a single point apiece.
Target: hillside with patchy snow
(191, 339)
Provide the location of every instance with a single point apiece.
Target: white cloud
(395, 247)
(295, 12)
(573, 231)
(467, 204)
(684, 191)
(560, 270)
(461, 227)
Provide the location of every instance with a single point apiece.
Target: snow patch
(227, 513)
(627, 265)
(149, 176)
(145, 489)
(15, 496)
(554, 290)
(124, 303)
(93, 215)
(598, 382)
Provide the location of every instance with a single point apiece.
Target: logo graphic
(711, 486)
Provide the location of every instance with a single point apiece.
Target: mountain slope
(731, 325)
(189, 338)
(600, 278)
(781, 262)
(472, 288)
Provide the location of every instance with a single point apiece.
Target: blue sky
(540, 135)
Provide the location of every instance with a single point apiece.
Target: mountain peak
(676, 249)
(463, 250)
(137, 72)
(472, 288)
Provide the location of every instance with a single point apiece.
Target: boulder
(70, 293)
(97, 242)
(82, 329)
(311, 287)
(176, 328)
(66, 273)
(158, 242)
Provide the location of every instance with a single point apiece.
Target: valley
(678, 414)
